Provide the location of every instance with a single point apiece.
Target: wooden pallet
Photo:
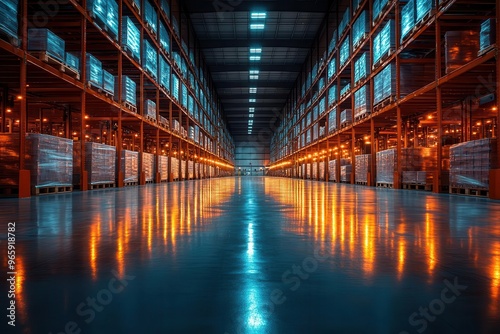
(424, 20)
(486, 50)
(345, 125)
(52, 190)
(470, 192)
(382, 59)
(415, 186)
(361, 41)
(102, 186)
(130, 184)
(384, 103)
(93, 85)
(72, 72)
(136, 7)
(48, 59)
(150, 181)
(362, 116)
(151, 118)
(361, 183)
(150, 28)
(130, 53)
(385, 185)
(130, 107)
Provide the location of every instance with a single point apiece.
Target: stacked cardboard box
(345, 173)
(363, 167)
(9, 159)
(100, 163)
(461, 48)
(332, 168)
(130, 166)
(163, 167)
(148, 166)
(131, 37)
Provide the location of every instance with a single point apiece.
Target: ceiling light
(251, 110)
(254, 72)
(254, 77)
(253, 90)
(251, 115)
(252, 100)
(257, 26)
(254, 58)
(255, 50)
(250, 122)
(258, 15)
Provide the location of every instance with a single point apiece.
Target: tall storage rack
(47, 95)
(429, 85)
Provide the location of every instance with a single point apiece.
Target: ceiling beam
(231, 107)
(264, 43)
(225, 7)
(228, 97)
(258, 84)
(294, 68)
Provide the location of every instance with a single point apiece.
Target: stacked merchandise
(197, 170)
(129, 93)
(183, 170)
(108, 82)
(384, 84)
(163, 167)
(191, 133)
(386, 164)
(175, 87)
(332, 121)
(322, 170)
(345, 90)
(378, 7)
(471, 162)
(418, 165)
(130, 166)
(150, 61)
(345, 21)
(164, 74)
(190, 105)
(100, 163)
(72, 61)
(423, 7)
(150, 17)
(112, 18)
(45, 40)
(131, 37)
(332, 95)
(361, 68)
(148, 166)
(355, 5)
(384, 42)
(345, 173)
(332, 68)
(360, 29)
(94, 71)
(98, 9)
(308, 171)
(9, 159)
(322, 131)
(361, 102)
(345, 51)
(165, 8)
(333, 42)
(50, 160)
(461, 47)
(332, 168)
(175, 168)
(150, 108)
(8, 17)
(314, 170)
(190, 168)
(321, 84)
(363, 167)
(164, 38)
(407, 18)
(487, 34)
(346, 117)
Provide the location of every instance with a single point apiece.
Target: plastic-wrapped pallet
(94, 71)
(321, 167)
(150, 59)
(184, 97)
(190, 105)
(363, 167)
(165, 8)
(50, 160)
(321, 84)
(9, 159)
(164, 38)
(190, 168)
(384, 84)
(73, 61)
(407, 18)
(164, 74)
(332, 95)
(361, 68)
(9, 17)
(378, 7)
(314, 170)
(360, 28)
(345, 89)
(384, 41)
(183, 170)
(308, 171)
(42, 39)
(163, 167)
(112, 18)
(461, 48)
(487, 34)
(176, 125)
(98, 10)
(332, 121)
(345, 173)
(409, 177)
(355, 5)
(346, 117)
(362, 102)
(150, 109)
(345, 51)
(333, 42)
(148, 166)
(322, 106)
(131, 37)
(175, 168)
(108, 82)
(175, 86)
(100, 163)
(471, 162)
(150, 16)
(345, 21)
(332, 168)
(423, 7)
(129, 91)
(331, 69)
(386, 162)
(130, 166)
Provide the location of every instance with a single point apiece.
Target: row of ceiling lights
(257, 22)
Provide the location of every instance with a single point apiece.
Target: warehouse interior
(230, 166)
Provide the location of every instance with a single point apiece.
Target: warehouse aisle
(255, 255)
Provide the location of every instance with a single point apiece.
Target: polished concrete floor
(254, 255)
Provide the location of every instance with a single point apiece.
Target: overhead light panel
(251, 115)
(255, 58)
(252, 72)
(250, 122)
(258, 15)
(257, 26)
(252, 110)
(253, 90)
(254, 77)
(255, 50)
(252, 100)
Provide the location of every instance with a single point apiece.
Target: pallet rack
(40, 97)
(435, 107)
